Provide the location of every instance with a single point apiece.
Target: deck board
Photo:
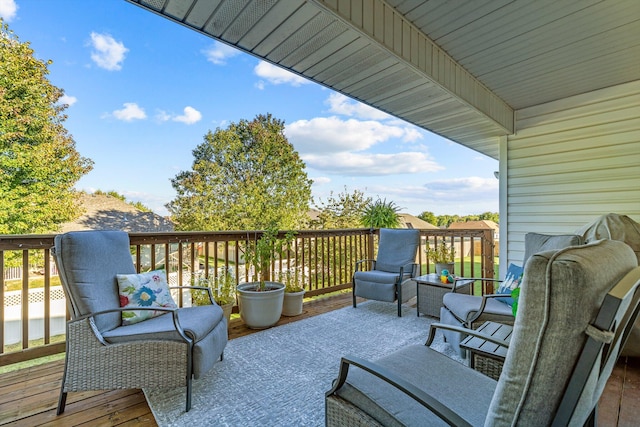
(29, 397)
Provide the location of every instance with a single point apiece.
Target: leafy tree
(490, 216)
(342, 211)
(39, 164)
(429, 217)
(446, 220)
(245, 177)
(381, 214)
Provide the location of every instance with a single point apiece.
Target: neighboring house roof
(474, 225)
(103, 212)
(410, 221)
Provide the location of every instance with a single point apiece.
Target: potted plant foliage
(293, 293)
(260, 300)
(442, 255)
(223, 288)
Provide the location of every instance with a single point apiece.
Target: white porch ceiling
(457, 68)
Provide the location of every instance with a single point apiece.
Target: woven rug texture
(278, 377)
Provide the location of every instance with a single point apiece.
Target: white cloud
(461, 186)
(130, 112)
(276, 75)
(355, 164)
(162, 116)
(218, 53)
(67, 99)
(340, 104)
(332, 134)
(462, 196)
(8, 10)
(321, 180)
(108, 53)
(190, 116)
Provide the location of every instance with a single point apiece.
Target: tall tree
(38, 161)
(342, 211)
(429, 217)
(245, 177)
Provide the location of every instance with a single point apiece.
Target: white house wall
(569, 162)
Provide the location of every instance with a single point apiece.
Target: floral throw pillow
(144, 290)
(511, 281)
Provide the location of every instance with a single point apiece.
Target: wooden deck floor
(29, 397)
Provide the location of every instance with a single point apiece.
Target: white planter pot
(260, 309)
(292, 305)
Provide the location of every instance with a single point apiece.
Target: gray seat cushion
(396, 249)
(535, 242)
(96, 288)
(375, 284)
(466, 391)
(466, 306)
(197, 323)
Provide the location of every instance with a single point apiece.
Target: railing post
(371, 246)
(488, 269)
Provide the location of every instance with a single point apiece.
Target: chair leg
(62, 401)
(353, 293)
(189, 379)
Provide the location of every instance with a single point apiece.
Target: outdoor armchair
(113, 347)
(470, 311)
(388, 277)
(576, 308)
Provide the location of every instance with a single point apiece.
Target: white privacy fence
(36, 324)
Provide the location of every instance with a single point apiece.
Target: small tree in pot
(222, 286)
(260, 300)
(442, 255)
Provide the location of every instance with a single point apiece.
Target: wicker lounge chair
(102, 353)
(576, 308)
(471, 311)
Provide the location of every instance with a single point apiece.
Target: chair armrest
(174, 311)
(483, 304)
(428, 401)
(473, 279)
(372, 261)
(434, 326)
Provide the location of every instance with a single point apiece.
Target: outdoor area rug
(278, 377)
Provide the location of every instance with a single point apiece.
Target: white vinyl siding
(571, 161)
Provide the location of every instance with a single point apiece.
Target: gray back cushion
(88, 262)
(561, 294)
(396, 249)
(534, 243)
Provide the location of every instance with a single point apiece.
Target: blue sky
(144, 91)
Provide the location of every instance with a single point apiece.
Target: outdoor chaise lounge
(575, 311)
(106, 347)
